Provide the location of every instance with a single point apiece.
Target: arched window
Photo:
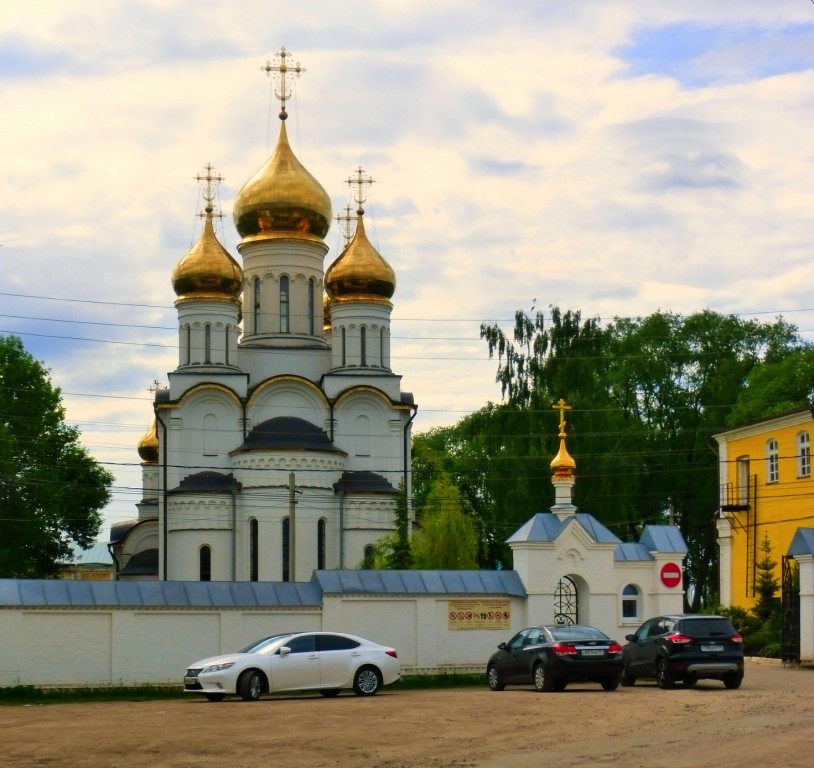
(363, 345)
(207, 343)
(631, 603)
(772, 461)
(321, 545)
(210, 435)
(188, 344)
(382, 360)
(311, 289)
(256, 313)
(369, 551)
(344, 349)
(803, 455)
(286, 531)
(226, 345)
(284, 308)
(254, 550)
(205, 564)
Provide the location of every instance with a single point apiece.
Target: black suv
(684, 647)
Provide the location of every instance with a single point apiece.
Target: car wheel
(493, 678)
(626, 679)
(663, 677)
(367, 681)
(610, 683)
(215, 696)
(690, 681)
(542, 680)
(329, 693)
(733, 680)
(250, 685)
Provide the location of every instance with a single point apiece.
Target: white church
(274, 463)
(280, 444)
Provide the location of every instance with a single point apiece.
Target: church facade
(282, 438)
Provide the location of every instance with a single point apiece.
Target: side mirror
(285, 650)
(501, 646)
(631, 638)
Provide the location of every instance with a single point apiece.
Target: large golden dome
(563, 464)
(282, 200)
(207, 271)
(360, 272)
(148, 445)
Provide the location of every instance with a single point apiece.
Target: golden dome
(563, 463)
(207, 271)
(282, 200)
(360, 272)
(148, 445)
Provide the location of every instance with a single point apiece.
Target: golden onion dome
(360, 272)
(282, 200)
(207, 271)
(148, 445)
(563, 464)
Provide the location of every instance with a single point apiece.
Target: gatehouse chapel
(279, 445)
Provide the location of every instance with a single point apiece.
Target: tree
(51, 490)
(768, 603)
(447, 538)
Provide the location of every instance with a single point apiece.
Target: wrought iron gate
(566, 601)
(791, 610)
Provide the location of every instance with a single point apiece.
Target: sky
(616, 157)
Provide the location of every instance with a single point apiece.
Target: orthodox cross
(362, 182)
(279, 70)
(346, 220)
(208, 181)
(562, 408)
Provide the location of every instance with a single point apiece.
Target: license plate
(190, 681)
(593, 652)
(716, 648)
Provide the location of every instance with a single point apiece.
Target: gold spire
(207, 271)
(148, 445)
(282, 199)
(360, 273)
(563, 465)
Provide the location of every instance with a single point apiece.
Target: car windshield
(265, 645)
(572, 633)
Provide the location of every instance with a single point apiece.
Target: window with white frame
(803, 455)
(772, 461)
(631, 603)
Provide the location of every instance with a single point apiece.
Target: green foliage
(766, 585)
(399, 555)
(647, 396)
(447, 538)
(51, 490)
(776, 387)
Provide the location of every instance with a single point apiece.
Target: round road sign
(670, 575)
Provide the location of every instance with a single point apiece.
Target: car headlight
(218, 667)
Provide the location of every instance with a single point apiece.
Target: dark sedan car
(552, 656)
(684, 647)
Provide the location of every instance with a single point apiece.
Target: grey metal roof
(208, 481)
(363, 482)
(421, 582)
(286, 433)
(545, 527)
(48, 593)
(802, 543)
(663, 538)
(632, 551)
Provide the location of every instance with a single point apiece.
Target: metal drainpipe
(233, 491)
(341, 530)
(164, 489)
(406, 427)
(115, 561)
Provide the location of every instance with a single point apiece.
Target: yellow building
(766, 489)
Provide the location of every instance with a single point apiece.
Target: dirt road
(769, 722)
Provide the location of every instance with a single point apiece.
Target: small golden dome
(563, 464)
(207, 271)
(282, 200)
(148, 445)
(360, 272)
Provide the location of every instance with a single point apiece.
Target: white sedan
(323, 661)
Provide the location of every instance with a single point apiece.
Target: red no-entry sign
(670, 575)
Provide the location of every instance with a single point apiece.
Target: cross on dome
(346, 221)
(279, 70)
(362, 182)
(562, 408)
(209, 181)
